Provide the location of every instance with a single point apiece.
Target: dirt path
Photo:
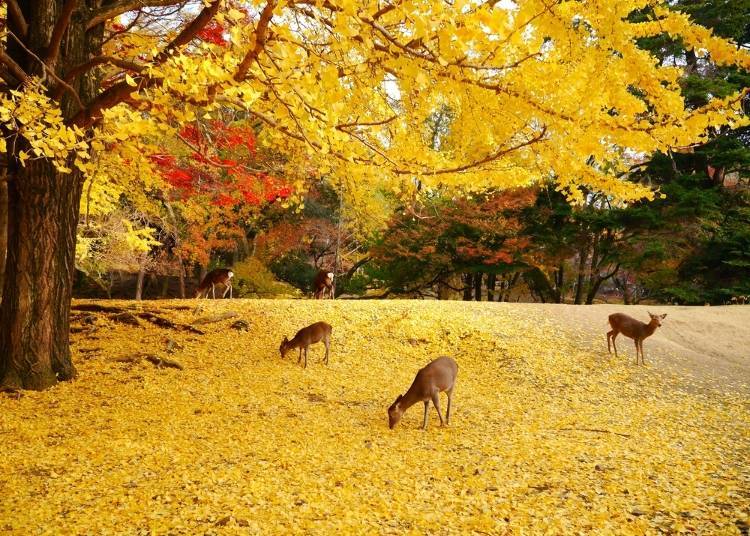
(709, 346)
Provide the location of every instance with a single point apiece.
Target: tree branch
(486, 159)
(123, 92)
(57, 33)
(190, 31)
(51, 72)
(105, 13)
(261, 32)
(15, 69)
(15, 13)
(93, 62)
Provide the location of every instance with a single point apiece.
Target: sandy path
(708, 346)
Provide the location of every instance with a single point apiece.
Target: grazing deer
(319, 331)
(220, 276)
(323, 283)
(433, 379)
(634, 329)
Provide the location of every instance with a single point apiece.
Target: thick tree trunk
(43, 208)
(478, 286)
(34, 329)
(3, 227)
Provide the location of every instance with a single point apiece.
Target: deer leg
(637, 350)
(614, 336)
(306, 347)
(299, 359)
(228, 289)
(436, 403)
(327, 342)
(424, 421)
(643, 359)
(609, 334)
(448, 411)
(213, 291)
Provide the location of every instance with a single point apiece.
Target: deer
(314, 333)
(219, 276)
(323, 283)
(634, 329)
(436, 377)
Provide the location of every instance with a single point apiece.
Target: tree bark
(139, 283)
(43, 208)
(181, 273)
(491, 281)
(468, 279)
(3, 228)
(478, 286)
(583, 255)
(559, 282)
(34, 324)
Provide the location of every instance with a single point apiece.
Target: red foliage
(213, 33)
(220, 171)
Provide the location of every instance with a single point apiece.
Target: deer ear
(664, 316)
(285, 340)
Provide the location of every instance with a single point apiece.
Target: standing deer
(634, 329)
(323, 283)
(433, 379)
(219, 276)
(319, 331)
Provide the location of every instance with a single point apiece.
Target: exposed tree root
(215, 318)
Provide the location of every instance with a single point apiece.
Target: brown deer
(323, 283)
(433, 379)
(220, 276)
(319, 331)
(634, 329)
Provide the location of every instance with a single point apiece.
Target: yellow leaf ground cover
(547, 434)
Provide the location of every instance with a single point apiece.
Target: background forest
(211, 196)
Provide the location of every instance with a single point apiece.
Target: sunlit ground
(546, 433)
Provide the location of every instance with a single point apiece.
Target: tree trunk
(511, 283)
(34, 324)
(43, 208)
(164, 287)
(468, 279)
(3, 227)
(583, 256)
(181, 274)
(478, 286)
(139, 283)
(559, 282)
(491, 281)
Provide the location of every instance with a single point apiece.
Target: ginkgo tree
(537, 90)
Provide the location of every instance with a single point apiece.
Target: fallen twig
(597, 430)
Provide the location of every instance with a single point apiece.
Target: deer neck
(409, 399)
(650, 328)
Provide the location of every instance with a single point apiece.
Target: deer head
(395, 412)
